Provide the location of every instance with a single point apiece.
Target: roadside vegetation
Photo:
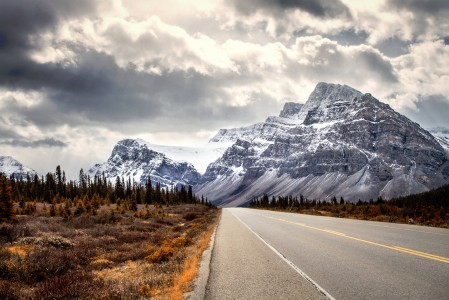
(85, 246)
(430, 208)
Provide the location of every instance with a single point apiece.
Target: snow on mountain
(134, 159)
(340, 142)
(291, 110)
(199, 157)
(9, 166)
(441, 134)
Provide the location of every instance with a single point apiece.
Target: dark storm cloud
(47, 142)
(419, 6)
(318, 8)
(21, 19)
(97, 91)
(10, 137)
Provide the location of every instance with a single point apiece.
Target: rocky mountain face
(441, 134)
(134, 159)
(340, 142)
(9, 166)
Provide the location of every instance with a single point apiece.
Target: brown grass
(111, 255)
(19, 250)
(191, 265)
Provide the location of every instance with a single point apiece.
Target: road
(271, 255)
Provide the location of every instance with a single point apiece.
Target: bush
(45, 263)
(9, 290)
(164, 253)
(48, 240)
(6, 265)
(73, 285)
(190, 217)
(7, 233)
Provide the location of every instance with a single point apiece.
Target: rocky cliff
(340, 142)
(134, 159)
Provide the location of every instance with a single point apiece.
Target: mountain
(441, 134)
(9, 166)
(340, 142)
(136, 160)
(199, 157)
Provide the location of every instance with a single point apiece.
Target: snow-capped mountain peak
(341, 142)
(199, 157)
(328, 102)
(134, 159)
(9, 166)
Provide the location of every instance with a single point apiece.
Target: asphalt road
(271, 255)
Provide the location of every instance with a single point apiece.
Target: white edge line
(292, 265)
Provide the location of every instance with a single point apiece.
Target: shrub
(164, 253)
(190, 217)
(9, 290)
(6, 265)
(45, 263)
(73, 285)
(48, 240)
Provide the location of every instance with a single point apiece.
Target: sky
(78, 76)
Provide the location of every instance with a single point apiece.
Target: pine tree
(119, 190)
(148, 192)
(190, 195)
(6, 204)
(59, 182)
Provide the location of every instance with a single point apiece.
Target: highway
(262, 254)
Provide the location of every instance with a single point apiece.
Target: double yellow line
(396, 248)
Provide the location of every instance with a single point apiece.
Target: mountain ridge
(134, 159)
(341, 142)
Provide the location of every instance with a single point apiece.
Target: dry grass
(191, 264)
(152, 253)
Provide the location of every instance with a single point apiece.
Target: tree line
(86, 194)
(429, 208)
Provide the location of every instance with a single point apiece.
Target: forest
(61, 239)
(87, 194)
(429, 208)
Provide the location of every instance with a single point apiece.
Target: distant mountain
(136, 160)
(340, 142)
(9, 166)
(441, 134)
(199, 157)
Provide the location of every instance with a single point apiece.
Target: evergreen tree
(148, 192)
(6, 203)
(190, 195)
(59, 182)
(119, 190)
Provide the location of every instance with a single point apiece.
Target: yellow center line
(396, 248)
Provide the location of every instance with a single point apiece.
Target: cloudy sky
(77, 76)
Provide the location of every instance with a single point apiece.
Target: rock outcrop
(340, 142)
